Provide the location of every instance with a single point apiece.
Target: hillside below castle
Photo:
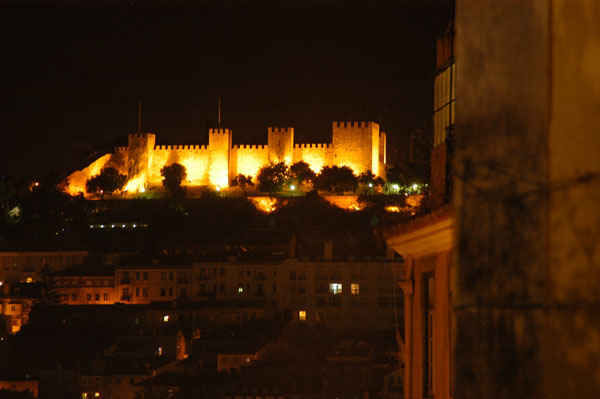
(358, 145)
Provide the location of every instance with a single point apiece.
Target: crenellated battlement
(219, 131)
(180, 147)
(351, 124)
(276, 130)
(141, 135)
(313, 145)
(359, 145)
(250, 147)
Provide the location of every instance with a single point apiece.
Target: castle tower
(219, 149)
(139, 152)
(356, 144)
(281, 144)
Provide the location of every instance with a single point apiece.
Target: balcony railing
(126, 297)
(125, 280)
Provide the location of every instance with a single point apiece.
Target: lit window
(335, 288)
(97, 394)
(84, 395)
(354, 288)
(247, 360)
(159, 351)
(166, 318)
(28, 280)
(240, 289)
(302, 315)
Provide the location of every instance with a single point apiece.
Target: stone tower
(139, 150)
(281, 144)
(219, 147)
(356, 144)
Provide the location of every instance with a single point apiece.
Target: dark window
(137, 275)
(163, 275)
(163, 291)
(292, 275)
(97, 297)
(145, 275)
(88, 297)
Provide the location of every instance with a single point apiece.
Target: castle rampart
(280, 142)
(359, 145)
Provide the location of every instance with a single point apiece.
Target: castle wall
(248, 159)
(78, 178)
(219, 144)
(315, 155)
(139, 147)
(194, 157)
(281, 144)
(356, 144)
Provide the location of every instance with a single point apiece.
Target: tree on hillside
(173, 175)
(337, 179)
(302, 172)
(107, 182)
(272, 177)
(243, 182)
(369, 181)
(406, 175)
(49, 293)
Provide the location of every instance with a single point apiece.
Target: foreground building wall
(525, 289)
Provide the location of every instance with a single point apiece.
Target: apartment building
(153, 283)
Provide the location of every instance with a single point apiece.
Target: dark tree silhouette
(337, 179)
(49, 294)
(243, 182)
(107, 182)
(369, 181)
(173, 175)
(273, 177)
(303, 174)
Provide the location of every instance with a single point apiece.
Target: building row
(339, 294)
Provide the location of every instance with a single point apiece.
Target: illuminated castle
(359, 145)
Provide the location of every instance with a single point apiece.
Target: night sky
(72, 74)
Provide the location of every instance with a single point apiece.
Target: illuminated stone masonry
(359, 145)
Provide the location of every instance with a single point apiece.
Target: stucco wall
(526, 195)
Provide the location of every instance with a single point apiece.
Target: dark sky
(73, 74)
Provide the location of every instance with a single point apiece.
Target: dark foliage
(369, 182)
(338, 179)
(173, 175)
(303, 174)
(243, 182)
(107, 182)
(273, 177)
